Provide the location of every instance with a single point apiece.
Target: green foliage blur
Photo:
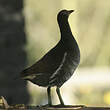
(90, 24)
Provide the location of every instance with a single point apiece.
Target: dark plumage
(58, 65)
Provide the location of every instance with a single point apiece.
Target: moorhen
(59, 64)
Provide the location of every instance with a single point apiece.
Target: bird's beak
(70, 11)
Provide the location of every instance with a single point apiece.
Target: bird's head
(64, 14)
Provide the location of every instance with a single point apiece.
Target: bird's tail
(21, 75)
(27, 75)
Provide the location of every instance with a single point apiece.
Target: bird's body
(58, 65)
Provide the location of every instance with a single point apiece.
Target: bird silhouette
(59, 64)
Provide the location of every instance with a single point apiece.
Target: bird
(59, 63)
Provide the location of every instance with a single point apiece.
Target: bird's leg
(49, 96)
(59, 95)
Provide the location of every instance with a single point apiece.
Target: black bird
(58, 65)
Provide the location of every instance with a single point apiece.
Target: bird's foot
(66, 106)
(56, 106)
(63, 106)
(79, 106)
(47, 105)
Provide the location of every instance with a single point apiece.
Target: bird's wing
(48, 63)
(65, 70)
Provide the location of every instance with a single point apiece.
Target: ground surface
(4, 105)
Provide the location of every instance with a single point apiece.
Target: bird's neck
(65, 29)
(67, 37)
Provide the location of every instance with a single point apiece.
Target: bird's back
(46, 66)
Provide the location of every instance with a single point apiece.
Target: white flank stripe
(63, 60)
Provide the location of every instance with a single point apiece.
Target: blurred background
(29, 29)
